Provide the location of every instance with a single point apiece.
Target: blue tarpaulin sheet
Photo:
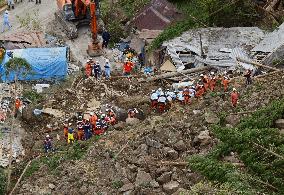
(46, 63)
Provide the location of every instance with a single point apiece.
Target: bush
(2, 181)
(259, 146)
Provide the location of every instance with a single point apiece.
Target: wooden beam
(257, 64)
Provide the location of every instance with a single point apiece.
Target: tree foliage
(19, 66)
(259, 146)
(209, 13)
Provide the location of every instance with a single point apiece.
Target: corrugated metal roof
(272, 41)
(220, 45)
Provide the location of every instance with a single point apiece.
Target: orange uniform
(212, 83)
(88, 69)
(234, 98)
(93, 120)
(186, 93)
(18, 104)
(205, 80)
(225, 83)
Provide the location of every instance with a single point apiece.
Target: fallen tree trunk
(173, 74)
(257, 64)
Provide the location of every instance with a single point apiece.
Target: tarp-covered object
(46, 63)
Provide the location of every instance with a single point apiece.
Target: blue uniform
(107, 70)
(6, 22)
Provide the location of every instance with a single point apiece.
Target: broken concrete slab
(53, 112)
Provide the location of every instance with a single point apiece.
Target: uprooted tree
(15, 68)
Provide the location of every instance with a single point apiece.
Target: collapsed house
(218, 47)
(271, 48)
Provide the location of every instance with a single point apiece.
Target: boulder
(143, 178)
(279, 123)
(233, 119)
(180, 146)
(171, 187)
(211, 118)
(153, 143)
(126, 187)
(164, 178)
(204, 138)
(195, 112)
(132, 121)
(119, 126)
(171, 153)
(51, 186)
(154, 184)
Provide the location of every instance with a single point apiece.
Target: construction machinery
(75, 13)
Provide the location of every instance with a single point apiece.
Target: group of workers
(94, 69)
(162, 101)
(96, 124)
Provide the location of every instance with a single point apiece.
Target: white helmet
(6, 12)
(212, 73)
(91, 113)
(47, 136)
(153, 90)
(160, 89)
(234, 89)
(107, 60)
(70, 124)
(97, 62)
(202, 75)
(162, 94)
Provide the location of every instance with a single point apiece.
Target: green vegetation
(259, 146)
(131, 7)
(205, 13)
(117, 184)
(2, 181)
(53, 160)
(33, 96)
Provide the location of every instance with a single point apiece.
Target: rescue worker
(186, 95)
(88, 69)
(199, 91)
(93, 119)
(162, 103)
(80, 128)
(70, 134)
(234, 98)
(18, 104)
(172, 94)
(192, 92)
(47, 144)
(205, 81)
(112, 116)
(132, 113)
(97, 70)
(107, 69)
(169, 102)
(213, 81)
(6, 20)
(106, 38)
(159, 91)
(127, 67)
(154, 100)
(99, 127)
(248, 77)
(87, 130)
(225, 83)
(65, 129)
(180, 97)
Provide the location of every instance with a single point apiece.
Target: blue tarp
(47, 63)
